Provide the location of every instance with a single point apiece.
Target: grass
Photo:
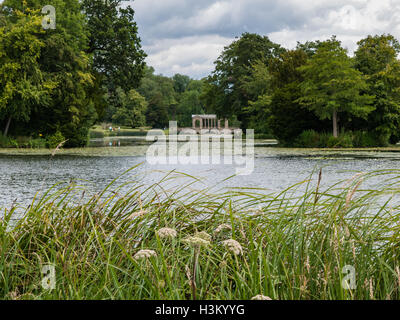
(293, 245)
(102, 131)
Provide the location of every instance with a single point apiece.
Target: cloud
(186, 36)
(188, 55)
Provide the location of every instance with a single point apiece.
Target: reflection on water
(21, 176)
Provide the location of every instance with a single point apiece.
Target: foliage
(189, 104)
(181, 82)
(376, 57)
(349, 139)
(288, 246)
(55, 140)
(225, 92)
(22, 83)
(132, 111)
(287, 118)
(69, 107)
(332, 85)
(22, 142)
(94, 48)
(161, 97)
(114, 43)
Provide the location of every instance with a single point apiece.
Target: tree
(22, 83)
(332, 85)
(161, 97)
(258, 84)
(376, 57)
(224, 93)
(189, 105)
(114, 43)
(181, 83)
(132, 112)
(275, 111)
(69, 108)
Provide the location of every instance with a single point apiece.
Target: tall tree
(161, 96)
(224, 92)
(181, 82)
(332, 85)
(376, 57)
(114, 43)
(70, 109)
(23, 85)
(287, 118)
(189, 105)
(133, 109)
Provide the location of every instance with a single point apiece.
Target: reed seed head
(261, 297)
(197, 241)
(223, 227)
(167, 233)
(138, 214)
(203, 235)
(145, 254)
(233, 246)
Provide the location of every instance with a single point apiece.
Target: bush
(54, 140)
(308, 139)
(22, 142)
(357, 139)
(4, 141)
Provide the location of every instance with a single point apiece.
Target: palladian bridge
(209, 122)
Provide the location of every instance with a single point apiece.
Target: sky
(187, 36)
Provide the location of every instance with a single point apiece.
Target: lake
(23, 173)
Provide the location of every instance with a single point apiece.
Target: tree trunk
(7, 127)
(335, 124)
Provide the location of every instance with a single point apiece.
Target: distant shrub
(263, 136)
(4, 141)
(54, 140)
(308, 139)
(22, 142)
(357, 139)
(37, 143)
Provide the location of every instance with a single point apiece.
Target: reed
(136, 242)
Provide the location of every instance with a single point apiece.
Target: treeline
(56, 83)
(157, 101)
(315, 95)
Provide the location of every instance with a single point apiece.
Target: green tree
(23, 86)
(181, 83)
(258, 84)
(376, 57)
(332, 85)
(114, 43)
(160, 94)
(189, 105)
(224, 92)
(70, 109)
(276, 109)
(132, 112)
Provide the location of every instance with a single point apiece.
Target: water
(21, 176)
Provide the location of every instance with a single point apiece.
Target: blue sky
(187, 36)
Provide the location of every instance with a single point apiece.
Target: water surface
(22, 174)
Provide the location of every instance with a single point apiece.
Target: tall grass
(293, 245)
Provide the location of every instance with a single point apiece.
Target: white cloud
(189, 55)
(186, 36)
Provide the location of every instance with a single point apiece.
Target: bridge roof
(204, 116)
